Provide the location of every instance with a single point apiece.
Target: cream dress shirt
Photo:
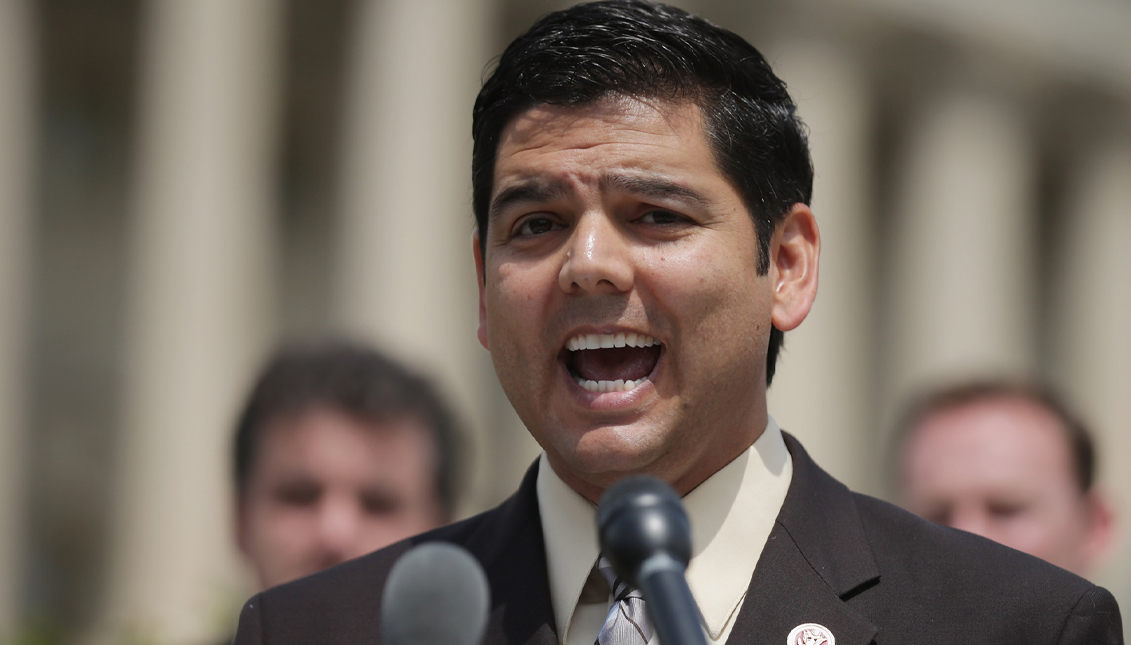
(732, 514)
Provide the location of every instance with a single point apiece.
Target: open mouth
(611, 362)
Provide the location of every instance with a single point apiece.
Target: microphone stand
(645, 534)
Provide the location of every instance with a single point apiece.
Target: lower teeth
(610, 386)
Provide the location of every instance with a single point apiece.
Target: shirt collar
(727, 542)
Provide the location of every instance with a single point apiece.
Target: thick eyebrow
(651, 187)
(530, 190)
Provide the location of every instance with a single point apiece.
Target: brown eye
(662, 218)
(380, 503)
(1005, 510)
(538, 226)
(298, 494)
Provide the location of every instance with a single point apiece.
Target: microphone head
(436, 594)
(639, 517)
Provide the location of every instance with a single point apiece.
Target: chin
(612, 452)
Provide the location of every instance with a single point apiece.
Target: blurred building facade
(183, 184)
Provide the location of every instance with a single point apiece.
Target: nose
(598, 258)
(339, 521)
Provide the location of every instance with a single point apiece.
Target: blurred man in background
(339, 451)
(1010, 463)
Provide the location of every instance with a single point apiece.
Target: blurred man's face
(324, 487)
(611, 225)
(1001, 468)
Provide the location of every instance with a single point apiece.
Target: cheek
(717, 295)
(515, 301)
(279, 532)
(510, 293)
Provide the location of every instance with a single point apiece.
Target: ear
(243, 540)
(477, 251)
(1101, 528)
(795, 252)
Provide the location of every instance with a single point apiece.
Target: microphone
(436, 594)
(645, 534)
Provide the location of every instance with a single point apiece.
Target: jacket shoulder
(905, 542)
(342, 604)
(954, 580)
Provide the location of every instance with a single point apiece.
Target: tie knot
(619, 586)
(627, 622)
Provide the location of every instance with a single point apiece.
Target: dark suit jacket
(868, 571)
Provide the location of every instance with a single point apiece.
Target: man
(640, 187)
(339, 452)
(1007, 462)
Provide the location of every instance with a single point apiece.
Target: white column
(1092, 327)
(200, 301)
(17, 125)
(406, 280)
(963, 272)
(822, 390)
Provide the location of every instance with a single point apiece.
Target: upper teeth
(603, 341)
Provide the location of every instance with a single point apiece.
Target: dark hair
(357, 381)
(580, 55)
(1081, 446)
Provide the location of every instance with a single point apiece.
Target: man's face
(325, 487)
(1001, 468)
(610, 224)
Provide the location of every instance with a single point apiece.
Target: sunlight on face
(611, 223)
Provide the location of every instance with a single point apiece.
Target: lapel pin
(810, 634)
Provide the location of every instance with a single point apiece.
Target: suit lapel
(513, 555)
(816, 558)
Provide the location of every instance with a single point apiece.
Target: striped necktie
(627, 623)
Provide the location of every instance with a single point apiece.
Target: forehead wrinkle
(655, 187)
(534, 189)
